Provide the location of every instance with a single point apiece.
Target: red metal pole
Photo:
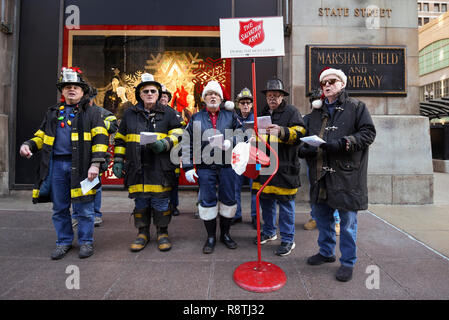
(259, 254)
(260, 276)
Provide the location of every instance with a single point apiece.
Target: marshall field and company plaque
(371, 70)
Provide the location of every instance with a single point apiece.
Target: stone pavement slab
(405, 269)
(402, 255)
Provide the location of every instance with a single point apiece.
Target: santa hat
(340, 74)
(213, 86)
(229, 105)
(318, 103)
(218, 88)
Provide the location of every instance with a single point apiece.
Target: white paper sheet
(314, 140)
(216, 141)
(87, 185)
(262, 123)
(147, 137)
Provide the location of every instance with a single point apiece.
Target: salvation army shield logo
(251, 33)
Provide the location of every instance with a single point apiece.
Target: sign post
(250, 38)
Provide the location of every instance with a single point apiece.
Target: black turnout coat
(339, 178)
(155, 175)
(89, 139)
(285, 183)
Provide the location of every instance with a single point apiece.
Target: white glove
(226, 145)
(191, 175)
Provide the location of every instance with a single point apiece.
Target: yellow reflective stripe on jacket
(275, 190)
(38, 141)
(75, 193)
(147, 188)
(110, 118)
(49, 140)
(99, 148)
(272, 138)
(40, 134)
(132, 137)
(301, 129)
(87, 136)
(177, 131)
(174, 134)
(35, 193)
(99, 130)
(120, 136)
(293, 133)
(119, 150)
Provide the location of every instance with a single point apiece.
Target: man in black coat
(147, 169)
(72, 140)
(284, 136)
(338, 168)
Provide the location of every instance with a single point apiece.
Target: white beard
(213, 107)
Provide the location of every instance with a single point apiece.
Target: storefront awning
(435, 109)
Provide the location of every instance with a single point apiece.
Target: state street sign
(252, 37)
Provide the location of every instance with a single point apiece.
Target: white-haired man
(212, 121)
(338, 169)
(147, 169)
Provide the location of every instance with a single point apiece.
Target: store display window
(112, 59)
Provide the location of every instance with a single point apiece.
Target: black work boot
(163, 241)
(143, 237)
(142, 223)
(211, 227)
(225, 226)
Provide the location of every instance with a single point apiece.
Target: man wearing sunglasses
(244, 114)
(148, 172)
(283, 135)
(338, 169)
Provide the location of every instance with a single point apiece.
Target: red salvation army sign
(251, 33)
(252, 37)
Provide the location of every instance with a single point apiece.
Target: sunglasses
(330, 81)
(276, 96)
(245, 103)
(147, 91)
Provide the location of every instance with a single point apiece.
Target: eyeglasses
(271, 95)
(147, 91)
(246, 103)
(330, 81)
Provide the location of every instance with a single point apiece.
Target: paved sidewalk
(406, 246)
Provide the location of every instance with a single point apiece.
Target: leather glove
(157, 147)
(307, 151)
(191, 175)
(333, 146)
(117, 168)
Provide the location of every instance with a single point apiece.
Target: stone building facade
(400, 165)
(8, 37)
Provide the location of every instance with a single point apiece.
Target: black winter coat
(89, 144)
(339, 178)
(155, 175)
(285, 183)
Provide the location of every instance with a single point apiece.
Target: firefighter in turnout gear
(149, 173)
(73, 142)
(284, 134)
